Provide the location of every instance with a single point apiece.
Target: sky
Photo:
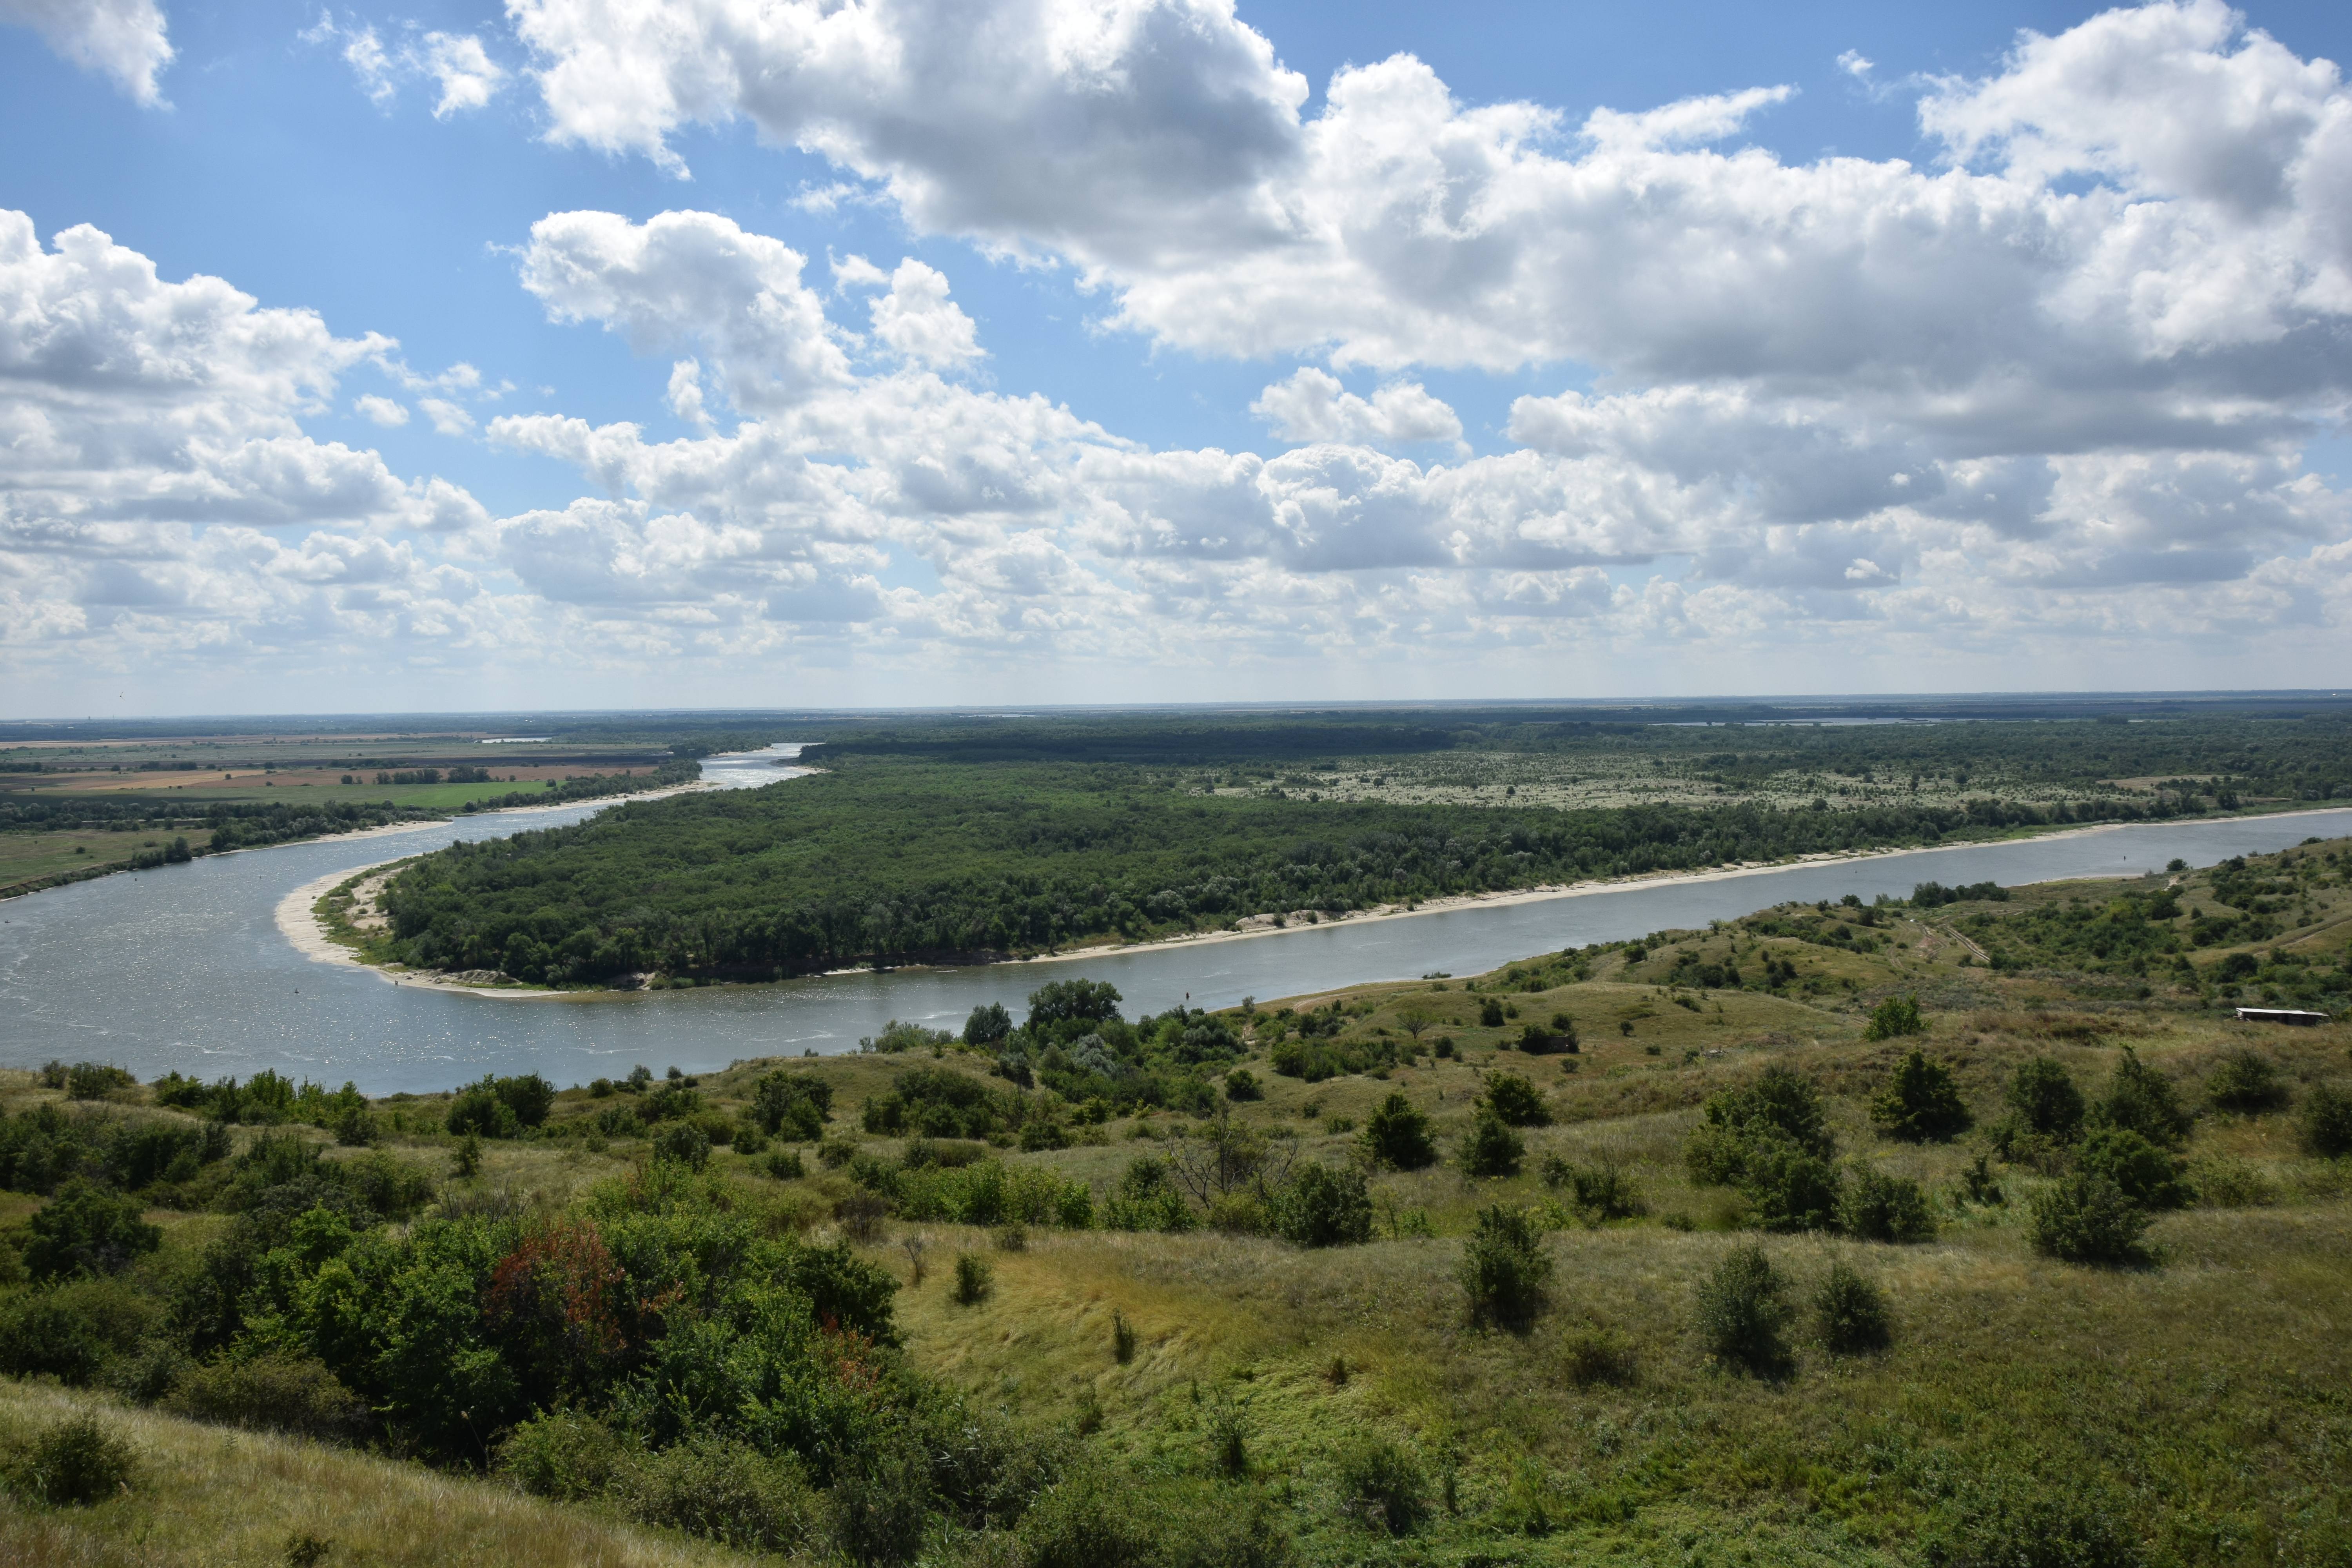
(605, 354)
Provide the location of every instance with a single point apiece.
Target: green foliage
(723, 1490)
(1850, 1312)
(72, 1463)
(1505, 1268)
(988, 1025)
(501, 1107)
(2056, 1522)
(278, 1391)
(1874, 1206)
(974, 1278)
(1382, 1482)
(1895, 1016)
(1600, 1191)
(469, 1162)
(74, 1331)
(1323, 1206)
(683, 1144)
(2151, 1176)
(1742, 1309)
(2086, 1218)
(941, 1103)
(2143, 1101)
(86, 1229)
(1781, 1108)
(2042, 1096)
(47, 1145)
(792, 1105)
(1398, 1137)
(2326, 1125)
(2246, 1082)
(1490, 1148)
(1241, 1084)
(1515, 1101)
(1921, 1104)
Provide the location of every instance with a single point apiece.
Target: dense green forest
(965, 839)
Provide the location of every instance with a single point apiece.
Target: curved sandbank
(297, 917)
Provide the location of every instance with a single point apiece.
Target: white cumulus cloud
(1312, 406)
(126, 40)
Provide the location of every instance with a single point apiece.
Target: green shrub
(1490, 1148)
(467, 1164)
(1601, 1191)
(683, 1144)
(501, 1107)
(2045, 1101)
(1323, 1206)
(1874, 1206)
(1381, 1483)
(1895, 1016)
(1242, 1084)
(72, 1464)
(87, 1228)
(881, 1504)
(2143, 1100)
(1122, 1337)
(973, 1280)
(1597, 1355)
(1504, 1269)
(1765, 1124)
(2327, 1127)
(723, 1491)
(73, 1330)
(96, 1080)
(749, 1140)
(2247, 1083)
(1516, 1102)
(1228, 1432)
(2059, 1522)
(1789, 1189)
(785, 1165)
(276, 1393)
(1850, 1311)
(1088, 1521)
(2086, 1218)
(2152, 1177)
(1922, 1104)
(1743, 1306)
(1398, 1136)
(792, 1105)
(564, 1453)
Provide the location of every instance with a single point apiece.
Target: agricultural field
(1966, 1229)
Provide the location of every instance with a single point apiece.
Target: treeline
(234, 824)
(597, 786)
(896, 861)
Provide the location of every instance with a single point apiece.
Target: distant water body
(184, 968)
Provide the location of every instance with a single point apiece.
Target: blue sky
(1583, 496)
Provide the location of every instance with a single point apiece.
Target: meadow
(1968, 1229)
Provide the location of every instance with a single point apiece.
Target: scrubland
(1203, 1388)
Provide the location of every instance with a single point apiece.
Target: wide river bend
(184, 967)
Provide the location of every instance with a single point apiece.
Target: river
(184, 967)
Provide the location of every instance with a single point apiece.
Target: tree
(1895, 1016)
(1504, 1269)
(2143, 1100)
(1072, 1001)
(1322, 1206)
(86, 1229)
(1922, 1104)
(1742, 1308)
(1515, 1101)
(1398, 1136)
(1492, 1149)
(988, 1025)
(2046, 1101)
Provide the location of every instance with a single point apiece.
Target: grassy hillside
(1200, 1389)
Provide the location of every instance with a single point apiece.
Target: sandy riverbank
(301, 926)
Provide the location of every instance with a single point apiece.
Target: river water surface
(184, 967)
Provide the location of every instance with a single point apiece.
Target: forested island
(936, 840)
